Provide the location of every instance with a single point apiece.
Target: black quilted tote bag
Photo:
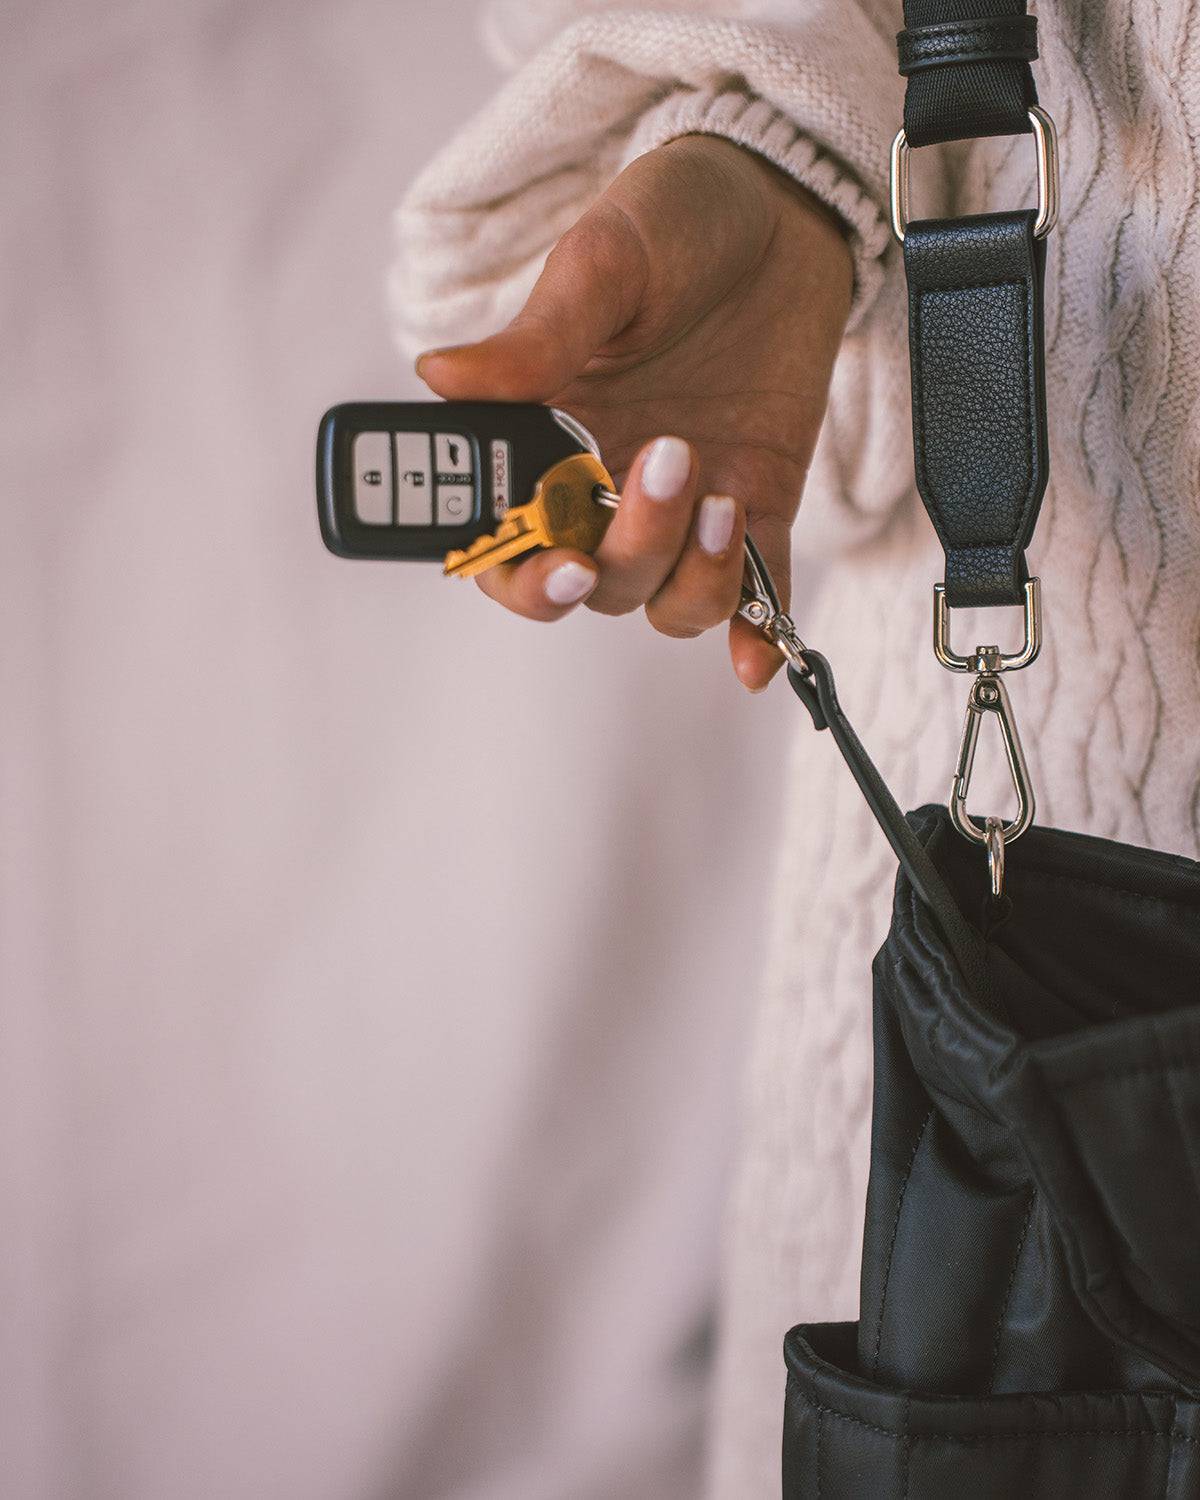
(1030, 1309)
(1030, 1318)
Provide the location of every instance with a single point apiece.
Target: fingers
(705, 586)
(542, 586)
(682, 561)
(587, 292)
(755, 659)
(640, 550)
(650, 528)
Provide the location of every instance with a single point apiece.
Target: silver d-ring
(1046, 139)
(994, 834)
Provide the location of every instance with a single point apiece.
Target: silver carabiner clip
(760, 605)
(989, 696)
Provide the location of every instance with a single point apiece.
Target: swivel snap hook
(761, 606)
(989, 696)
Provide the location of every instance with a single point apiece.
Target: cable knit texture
(1109, 714)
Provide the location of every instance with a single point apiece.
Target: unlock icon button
(414, 479)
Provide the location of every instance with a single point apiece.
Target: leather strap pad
(976, 336)
(953, 43)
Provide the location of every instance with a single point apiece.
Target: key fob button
(372, 460)
(452, 454)
(455, 504)
(414, 479)
(501, 453)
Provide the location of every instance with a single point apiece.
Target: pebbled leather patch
(979, 395)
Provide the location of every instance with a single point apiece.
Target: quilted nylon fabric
(1030, 1306)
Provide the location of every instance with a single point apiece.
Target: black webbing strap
(967, 64)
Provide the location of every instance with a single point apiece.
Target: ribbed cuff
(759, 126)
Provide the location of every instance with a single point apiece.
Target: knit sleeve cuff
(760, 127)
(819, 98)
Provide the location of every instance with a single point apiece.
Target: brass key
(564, 512)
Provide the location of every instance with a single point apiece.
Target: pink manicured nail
(666, 469)
(714, 527)
(569, 583)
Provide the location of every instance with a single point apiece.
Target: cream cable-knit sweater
(1111, 713)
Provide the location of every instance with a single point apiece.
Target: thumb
(587, 293)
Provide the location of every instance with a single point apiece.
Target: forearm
(810, 86)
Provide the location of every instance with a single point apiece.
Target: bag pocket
(846, 1438)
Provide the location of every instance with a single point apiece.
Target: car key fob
(415, 480)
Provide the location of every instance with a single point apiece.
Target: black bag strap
(967, 65)
(816, 689)
(976, 316)
(976, 336)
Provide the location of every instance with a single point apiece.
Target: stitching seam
(1008, 1291)
(917, 62)
(820, 1428)
(949, 30)
(887, 1273)
(1174, 1436)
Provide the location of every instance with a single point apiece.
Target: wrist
(825, 233)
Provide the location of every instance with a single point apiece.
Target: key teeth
(513, 533)
(543, 521)
(456, 561)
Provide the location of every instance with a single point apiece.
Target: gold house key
(564, 512)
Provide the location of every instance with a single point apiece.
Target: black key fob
(414, 480)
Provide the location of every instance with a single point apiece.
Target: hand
(703, 296)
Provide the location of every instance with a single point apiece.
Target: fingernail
(744, 671)
(714, 528)
(429, 354)
(666, 469)
(569, 583)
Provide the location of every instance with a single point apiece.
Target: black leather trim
(976, 336)
(991, 39)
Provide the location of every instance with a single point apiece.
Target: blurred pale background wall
(374, 967)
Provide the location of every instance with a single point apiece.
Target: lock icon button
(372, 460)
